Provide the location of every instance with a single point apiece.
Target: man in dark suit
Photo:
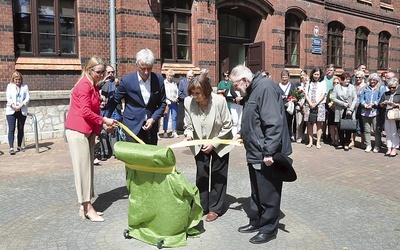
(145, 99)
(182, 94)
(265, 134)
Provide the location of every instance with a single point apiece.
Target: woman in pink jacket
(82, 125)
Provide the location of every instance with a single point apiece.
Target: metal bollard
(65, 118)
(35, 127)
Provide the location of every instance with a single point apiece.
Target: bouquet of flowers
(296, 93)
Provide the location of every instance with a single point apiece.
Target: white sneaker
(175, 135)
(96, 161)
(376, 150)
(368, 149)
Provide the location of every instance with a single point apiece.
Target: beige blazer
(215, 123)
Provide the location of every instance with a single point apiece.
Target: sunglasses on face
(101, 72)
(392, 87)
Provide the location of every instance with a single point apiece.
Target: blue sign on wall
(316, 46)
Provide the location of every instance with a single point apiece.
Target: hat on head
(283, 166)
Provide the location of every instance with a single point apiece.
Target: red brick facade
(138, 26)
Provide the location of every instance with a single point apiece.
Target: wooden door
(255, 57)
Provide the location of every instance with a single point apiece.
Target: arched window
(361, 46)
(383, 50)
(175, 30)
(292, 40)
(335, 44)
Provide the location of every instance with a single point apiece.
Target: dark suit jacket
(135, 109)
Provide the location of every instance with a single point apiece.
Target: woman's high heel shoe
(83, 216)
(96, 218)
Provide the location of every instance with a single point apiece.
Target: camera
(111, 78)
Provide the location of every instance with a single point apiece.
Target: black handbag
(312, 118)
(348, 124)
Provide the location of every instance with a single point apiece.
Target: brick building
(49, 40)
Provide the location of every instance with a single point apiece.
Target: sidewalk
(340, 200)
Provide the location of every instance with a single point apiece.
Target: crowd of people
(327, 103)
(267, 116)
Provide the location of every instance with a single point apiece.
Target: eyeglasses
(237, 82)
(392, 87)
(99, 72)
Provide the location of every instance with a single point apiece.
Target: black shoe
(19, 149)
(262, 238)
(248, 229)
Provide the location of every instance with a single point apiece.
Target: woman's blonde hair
(93, 61)
(16, 74)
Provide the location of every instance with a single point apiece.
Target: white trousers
(392, 137)
(236, 112)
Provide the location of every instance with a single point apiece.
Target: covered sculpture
(164, 207)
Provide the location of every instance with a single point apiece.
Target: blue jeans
(12, 120)
(173, 110)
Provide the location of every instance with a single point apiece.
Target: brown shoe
(211, 216)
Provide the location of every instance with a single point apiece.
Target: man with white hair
(265, 134)
(145, 99)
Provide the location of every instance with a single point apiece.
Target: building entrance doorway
(236, 42)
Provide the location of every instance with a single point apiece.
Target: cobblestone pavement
(341, 200)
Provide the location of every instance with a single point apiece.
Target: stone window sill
(386, 6)
(27, 63)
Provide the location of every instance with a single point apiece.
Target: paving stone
(340, 200)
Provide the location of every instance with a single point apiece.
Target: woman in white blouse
(171, 92)
(16, 109)
(316, 97)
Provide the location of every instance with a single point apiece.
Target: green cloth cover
(144, 154)
(163, 208)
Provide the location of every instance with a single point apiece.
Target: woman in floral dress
(315, 97)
